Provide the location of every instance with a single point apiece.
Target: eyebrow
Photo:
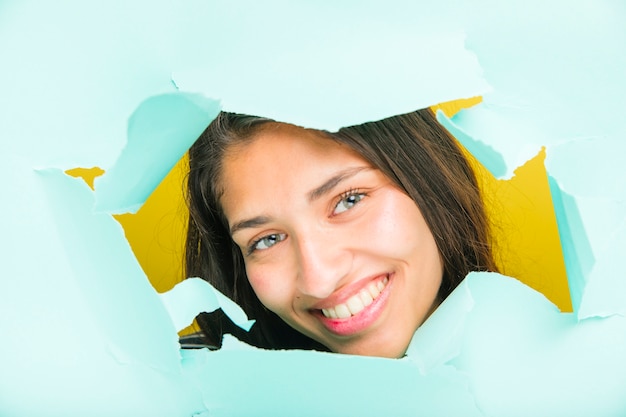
(332, 182)
(253, 222)
(312, 195)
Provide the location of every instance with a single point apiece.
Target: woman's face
(330, 244)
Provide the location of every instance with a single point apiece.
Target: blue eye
(266, 242)
(348, 200)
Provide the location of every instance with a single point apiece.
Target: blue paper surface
(155, 144)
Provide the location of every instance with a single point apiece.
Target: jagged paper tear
(160, 131)
(193, 296)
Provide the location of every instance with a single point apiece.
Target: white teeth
(357, 302)
(355, 305)
(373, 290)
(366, 298)
(342, 311)
(330, 313)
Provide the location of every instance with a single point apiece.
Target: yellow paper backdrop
(527, 244)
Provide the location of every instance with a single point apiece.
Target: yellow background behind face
(526, 238)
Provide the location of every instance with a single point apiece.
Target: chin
(387, 350)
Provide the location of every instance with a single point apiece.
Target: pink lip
(360, 321)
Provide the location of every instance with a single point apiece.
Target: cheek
(271, 286)
(398, 226)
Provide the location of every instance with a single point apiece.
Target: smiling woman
(343, 241)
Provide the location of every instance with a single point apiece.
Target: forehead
(273, 134)
(284, 145)
(281, 158)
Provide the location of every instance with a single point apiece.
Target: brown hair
(413, 150)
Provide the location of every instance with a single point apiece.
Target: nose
(323, 262)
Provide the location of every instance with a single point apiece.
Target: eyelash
(352, 192)
(281, 236)
(253, 246)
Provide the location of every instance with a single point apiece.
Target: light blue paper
(523, 357)
(75, 71)
(487, 156)
(159, 133)
(288, 383)
(556, 72)
(577, 252)
(604, 293)
(594, 205)
(193, 296)
(104, 269)
(339, 84)
(83, 332)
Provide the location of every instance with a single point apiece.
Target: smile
(358, 302)
(360, 311)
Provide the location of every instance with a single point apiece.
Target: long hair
(413, 150)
